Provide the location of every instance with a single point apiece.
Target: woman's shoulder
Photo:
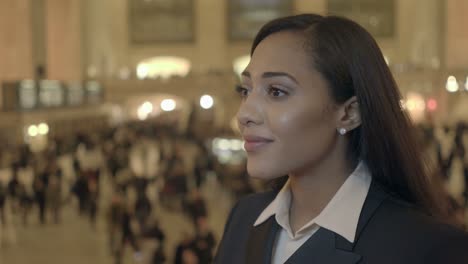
(245, 212)
(401, 214)
(399, 229)
(397, 213)
(239, 223)
(253, 204)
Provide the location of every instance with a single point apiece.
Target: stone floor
(75, 242)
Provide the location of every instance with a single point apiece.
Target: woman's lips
(253, 143)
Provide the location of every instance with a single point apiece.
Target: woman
(320, 105)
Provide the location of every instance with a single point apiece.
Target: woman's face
(287, 116)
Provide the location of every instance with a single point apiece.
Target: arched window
(163, 67)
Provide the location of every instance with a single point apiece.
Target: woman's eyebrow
(246, 74)
(279, 74)
(271, 75)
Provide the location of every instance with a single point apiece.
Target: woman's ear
(349, 115)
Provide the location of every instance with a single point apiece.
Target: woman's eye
(242, 91)
(275, 92)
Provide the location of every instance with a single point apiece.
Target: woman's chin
(262, 174)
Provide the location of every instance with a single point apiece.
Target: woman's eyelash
(241, 90)
(273, 90)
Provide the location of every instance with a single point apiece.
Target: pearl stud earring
(342, 131)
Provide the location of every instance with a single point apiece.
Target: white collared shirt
(341, 215)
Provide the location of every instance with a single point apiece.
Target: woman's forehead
(278, 52)
(281, 53)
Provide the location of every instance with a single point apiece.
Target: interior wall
(456, 41)
(15, 40)
(39, 50)
(63, 39)
(94, 34)
(417, 40)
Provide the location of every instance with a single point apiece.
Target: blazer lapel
(321, 248)
(260, 242)
(328, 247)
(374, 199)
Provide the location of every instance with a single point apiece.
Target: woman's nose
(250, 112)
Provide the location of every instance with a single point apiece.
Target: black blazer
(389, 231)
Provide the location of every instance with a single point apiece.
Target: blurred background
(117, 135)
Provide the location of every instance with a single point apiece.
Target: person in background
(3, 197)
(40, 184)
(156, 235)
(26, 194)
(445, 154)
(115, 216)
(14, 189)
(204, 241)
(129, 235)
(143, 209)
(54, 190)
(195, 206)
(189, 256)
(93, 199)
(80, 188)
(186, 244)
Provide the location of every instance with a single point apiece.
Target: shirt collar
(279, 207)
(340, 215)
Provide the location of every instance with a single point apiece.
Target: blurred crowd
(141, 165)
(145, 166)
(445, 148)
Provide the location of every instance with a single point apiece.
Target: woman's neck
(312, 189)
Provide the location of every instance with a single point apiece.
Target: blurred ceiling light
(163, 67)
(168, 105)
(206, 101)
(240, 64)
(410, 105)
(147, 107)
(43, 129)
(452, 84)
(432, 105)
(144, 110)
(223, 147)
(224, 144)
(142, 115)
(237, 144)
(415, 105)
(466, 83)
(32, 130)
(142, 71)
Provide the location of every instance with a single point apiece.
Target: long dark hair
(350, 60)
